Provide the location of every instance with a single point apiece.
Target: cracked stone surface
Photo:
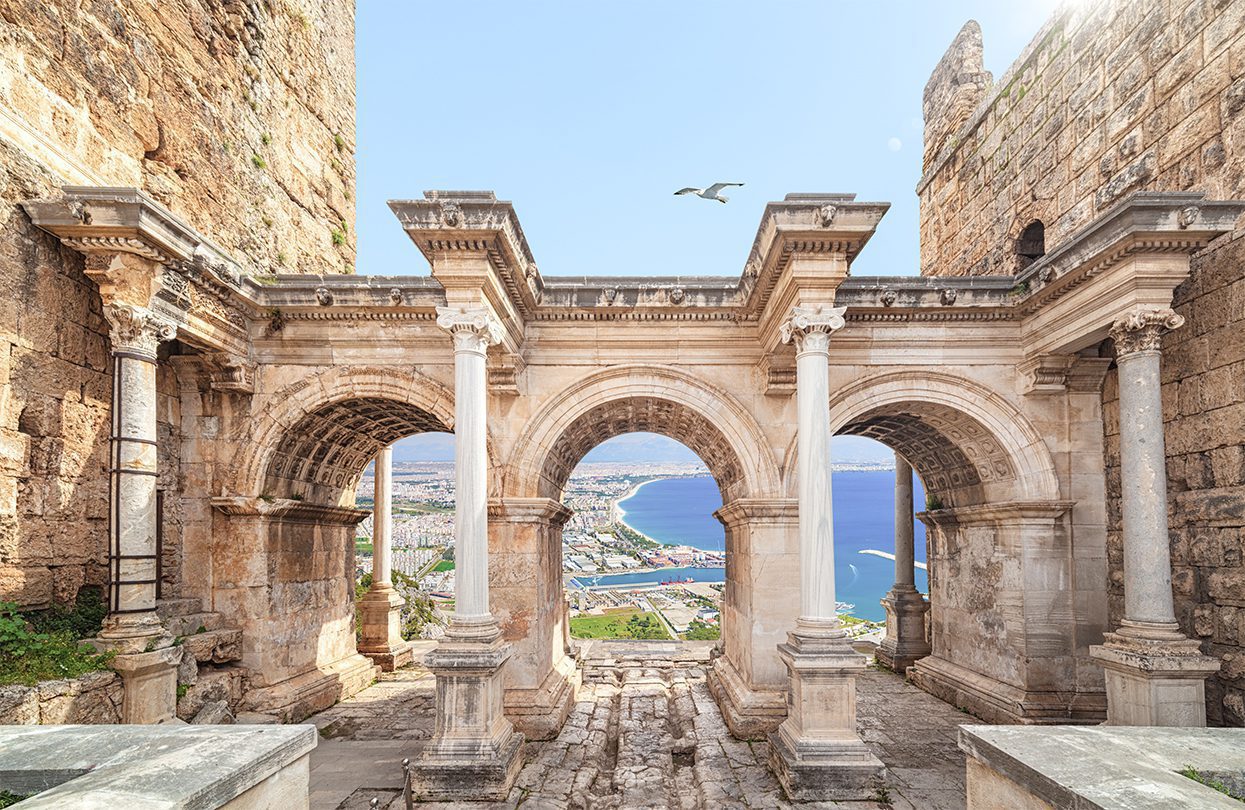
(645, 733)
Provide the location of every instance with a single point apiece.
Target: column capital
(137, 330)
(1142, 329)
(474, 329)
(810, 327)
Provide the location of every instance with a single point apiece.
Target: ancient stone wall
(1109, 98)
(93, 698)
(238, 115)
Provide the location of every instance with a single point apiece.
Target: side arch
(968, 443)
(660, 399)
(335, 418)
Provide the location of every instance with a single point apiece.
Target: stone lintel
(1036, 512)
(764, 510)
(290, 510)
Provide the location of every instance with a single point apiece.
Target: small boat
(677, 581)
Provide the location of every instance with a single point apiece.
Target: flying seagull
(711, 193)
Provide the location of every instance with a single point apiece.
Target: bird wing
(688, 190)
(716, 187)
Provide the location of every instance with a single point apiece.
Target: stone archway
(762, 555)
(1007, 615)
(283, 550)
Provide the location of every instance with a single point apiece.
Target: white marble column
(380, 609)
(905, 551)
(905, 606)
(816, 752)
(135, 333)
(474, 753)
(1155, 674)
(382, 517)
(145, 656)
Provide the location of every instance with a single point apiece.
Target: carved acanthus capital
(1142, 330)
(137, 330)
(474, 329)
(810, 327)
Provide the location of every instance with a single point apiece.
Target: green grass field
(444, 565)
(618, 624)
(362, 546)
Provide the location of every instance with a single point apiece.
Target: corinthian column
(135, 333)
(905, 606)
(380, 609)
(145, 658)
(474, 751)
(816, 752)
(1155, 674)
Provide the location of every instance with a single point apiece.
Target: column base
(994, 701)
(150, 681)
(126, 633)
(380, 626)
(539, 713)
(301, 696)
(905, 630)
(1154, 681)
(750, 714)
(816, 753)
(817, 773)
(475, 753)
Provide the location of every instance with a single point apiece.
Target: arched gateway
(989, 387)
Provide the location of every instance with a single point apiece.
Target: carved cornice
(289, 510)
(137, 330)
(1142, 330)
(473, 329)
(229, 373)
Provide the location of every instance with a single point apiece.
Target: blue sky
(589, 115)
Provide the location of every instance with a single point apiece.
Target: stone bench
(1092, 767)
(138, 767)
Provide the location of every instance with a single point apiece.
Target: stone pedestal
(380, 628)
(150, 680)
(474, 753)
(1154, 683)
(816, 753)
(905, 640)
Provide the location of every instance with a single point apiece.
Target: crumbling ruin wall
(238, 115)
(1111, 98)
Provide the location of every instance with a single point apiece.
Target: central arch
(653, 399)
(762, 553)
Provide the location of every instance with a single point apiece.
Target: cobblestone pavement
(645, 733)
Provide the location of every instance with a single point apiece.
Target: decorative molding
(1142, 330)
(1046, 374)
(231, 374)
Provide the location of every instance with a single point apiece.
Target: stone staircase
(202, 632)
(209, 679)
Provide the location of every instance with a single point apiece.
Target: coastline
(620, 515)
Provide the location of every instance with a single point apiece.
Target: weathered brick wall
(1108, 98)
(1111, 98)
(1204, 412)
(238, 116)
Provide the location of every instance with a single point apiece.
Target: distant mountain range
(635, 448)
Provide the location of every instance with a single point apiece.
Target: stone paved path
(644, 734)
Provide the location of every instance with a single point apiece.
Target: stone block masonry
(236, 116)
(1109, 98)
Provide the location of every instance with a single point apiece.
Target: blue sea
(679, 511)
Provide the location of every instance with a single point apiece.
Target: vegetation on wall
(46, 645)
